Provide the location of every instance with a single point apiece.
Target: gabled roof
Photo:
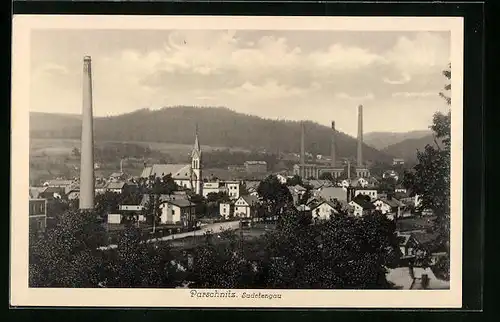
(182, 203)
(366, 205)
(178, 171)
(316, 184)
(249, 199)
(163, 198)
(303, 208)
(393, 202)
(115, 185)
(329, 203)
(404, 239)
(423, 237)
(328, 193)
(59, 182)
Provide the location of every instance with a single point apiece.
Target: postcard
(236, 161)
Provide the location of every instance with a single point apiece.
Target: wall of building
(233, 190)
(371, 193)
(170, 214)
(225, 210)
(242, 209)
(255, 167)
(322, 212)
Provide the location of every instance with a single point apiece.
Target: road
(216, 227)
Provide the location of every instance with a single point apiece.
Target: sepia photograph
(282, 162)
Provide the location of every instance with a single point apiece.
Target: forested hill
(407, 149)
(217, 127)
(381, 140)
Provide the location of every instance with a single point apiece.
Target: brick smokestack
(360, 137)
(87, 148)
(302, 143)
(333, 149)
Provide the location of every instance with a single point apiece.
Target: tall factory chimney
(360, 137)
(87, 149)
(333, 149)
(302, 143)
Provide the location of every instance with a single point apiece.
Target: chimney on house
(360, 137)
(333, 149)
(87, 141)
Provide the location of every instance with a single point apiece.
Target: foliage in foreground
(345, 252)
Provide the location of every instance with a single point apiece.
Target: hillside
(217, 127)
(407, 149)
(381, 140)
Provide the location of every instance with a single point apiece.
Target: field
(65, 146)
(51, 158)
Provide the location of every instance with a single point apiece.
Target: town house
(178, 212)
(323, 210)
(245, 206)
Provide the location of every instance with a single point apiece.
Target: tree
(222, 263)
(274, 194)
(387, 184)
(138, 264)
(168, 185)
(200, 205)
(66, 256)
(430, 178)
(343, 253)
(295, 180)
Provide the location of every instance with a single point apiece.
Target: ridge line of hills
(218, 126)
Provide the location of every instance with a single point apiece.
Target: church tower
(196, 165)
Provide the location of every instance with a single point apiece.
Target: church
(187, 176)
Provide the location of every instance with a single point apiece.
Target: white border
(21, 295)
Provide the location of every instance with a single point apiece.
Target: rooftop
(250, 199)
(182, 203)
(178, 171)
(115, 185)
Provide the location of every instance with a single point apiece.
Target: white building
(323, 210)
(226, 209)
(360, 206)
(390, 207)
(211, 187)
(372, 193)
(233, 189)
(116, 187)
(245, 206)
(180, 211)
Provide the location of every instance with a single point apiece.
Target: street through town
(215, 227)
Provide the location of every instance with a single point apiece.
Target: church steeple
(196, 149)
(196, 165)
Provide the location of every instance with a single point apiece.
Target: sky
(296, 75)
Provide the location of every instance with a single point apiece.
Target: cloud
(346, 96)
(414, 94)
(260, 73)
(405, 78)
(340, 57)
(421, 54)
(271, 89)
